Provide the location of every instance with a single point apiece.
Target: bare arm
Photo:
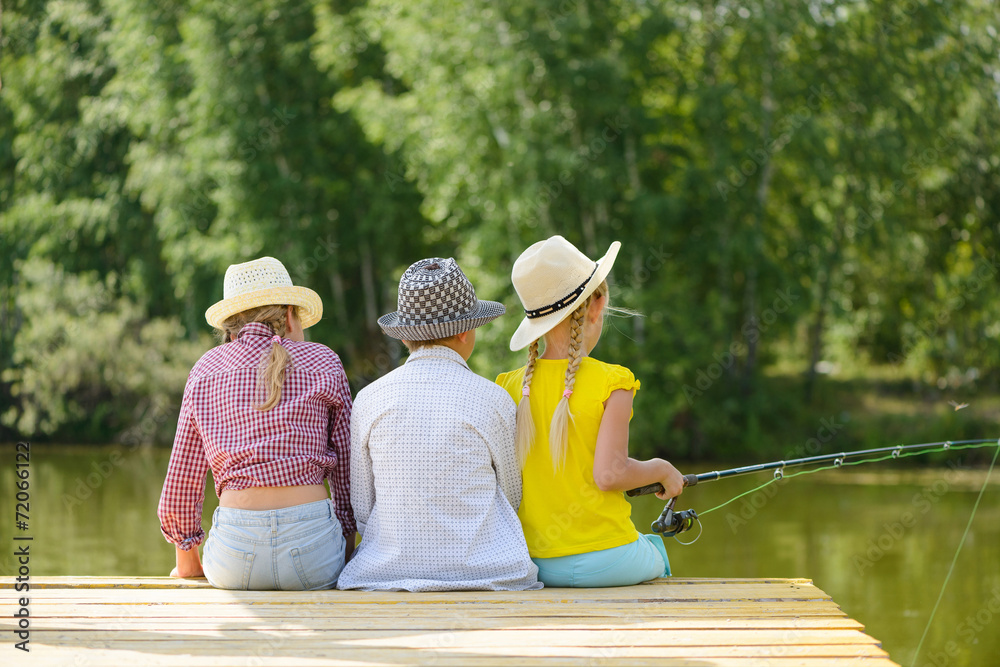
(614, 469)
(188, 564)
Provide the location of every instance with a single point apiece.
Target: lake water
(879, 539)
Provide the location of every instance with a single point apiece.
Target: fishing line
(955, 558)
(672, 522)
(769, 482)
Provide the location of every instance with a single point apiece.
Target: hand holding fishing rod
(689, 480)
(670, 523)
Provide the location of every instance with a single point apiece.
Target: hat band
(561, 303)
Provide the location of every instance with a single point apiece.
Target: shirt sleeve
(183, 494)
(340, 443)
(362, 474)
(619, 377)
(504, 453)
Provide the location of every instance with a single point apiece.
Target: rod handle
(645, 490)
(689, 480)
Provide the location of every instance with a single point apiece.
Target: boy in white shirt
(435, 483)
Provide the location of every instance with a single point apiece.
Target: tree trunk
(816, 331)
(589, 233)
(824, 278)
(1, 35)
(368, 285)
(763, 190)
(635, 183)
(340, 309)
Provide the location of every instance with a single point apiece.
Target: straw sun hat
(552, 278)
(436, 300)
(263, 282)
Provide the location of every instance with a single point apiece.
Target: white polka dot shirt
(435, 482)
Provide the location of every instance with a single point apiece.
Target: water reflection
(878, 540)
(93, 511)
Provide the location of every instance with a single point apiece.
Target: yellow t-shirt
(565, 513)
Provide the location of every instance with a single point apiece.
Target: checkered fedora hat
(436, 300)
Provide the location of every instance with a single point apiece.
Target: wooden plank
(695, 610)
(318, 648)
(162, 621)
(522, 638)
(421, 622)
(552, 594)
(332, 599)
(172, 582)
(662, 594)
(46, 657)
(667, 589)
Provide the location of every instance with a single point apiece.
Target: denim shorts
(291, 549)
(629, 564)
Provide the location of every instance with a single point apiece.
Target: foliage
(796, 186)
(95, 363)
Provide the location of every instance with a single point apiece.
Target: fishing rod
(671, 522)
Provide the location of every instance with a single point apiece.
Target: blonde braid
(525, 436)
(561, 418)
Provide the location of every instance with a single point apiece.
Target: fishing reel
(671, 523)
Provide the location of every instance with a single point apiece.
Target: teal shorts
(629, 564)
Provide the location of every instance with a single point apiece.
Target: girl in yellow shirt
(572, 428)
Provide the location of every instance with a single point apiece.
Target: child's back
(565, 512)
(433, 478)
(434, 474)
(572, 428)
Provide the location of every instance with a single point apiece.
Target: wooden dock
(83, 621)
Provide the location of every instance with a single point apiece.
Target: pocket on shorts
(226, 567)
(318, 564)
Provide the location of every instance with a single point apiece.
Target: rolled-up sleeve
(183, 494)
(340, 443)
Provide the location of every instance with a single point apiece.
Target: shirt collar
(254, 329)
(437, 352)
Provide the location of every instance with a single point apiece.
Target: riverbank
(880, 409)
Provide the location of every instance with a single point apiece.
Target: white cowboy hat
(552, 278)
(436, 300)
(263, 282)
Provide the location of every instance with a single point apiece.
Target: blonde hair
(273, 365)
(562, 417)
(525, 429)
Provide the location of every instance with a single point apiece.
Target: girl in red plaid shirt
(269, 414)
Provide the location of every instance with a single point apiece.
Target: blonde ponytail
(271, 376)
(525, 435)
(275, 362)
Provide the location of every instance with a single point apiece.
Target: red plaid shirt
(304, 439)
